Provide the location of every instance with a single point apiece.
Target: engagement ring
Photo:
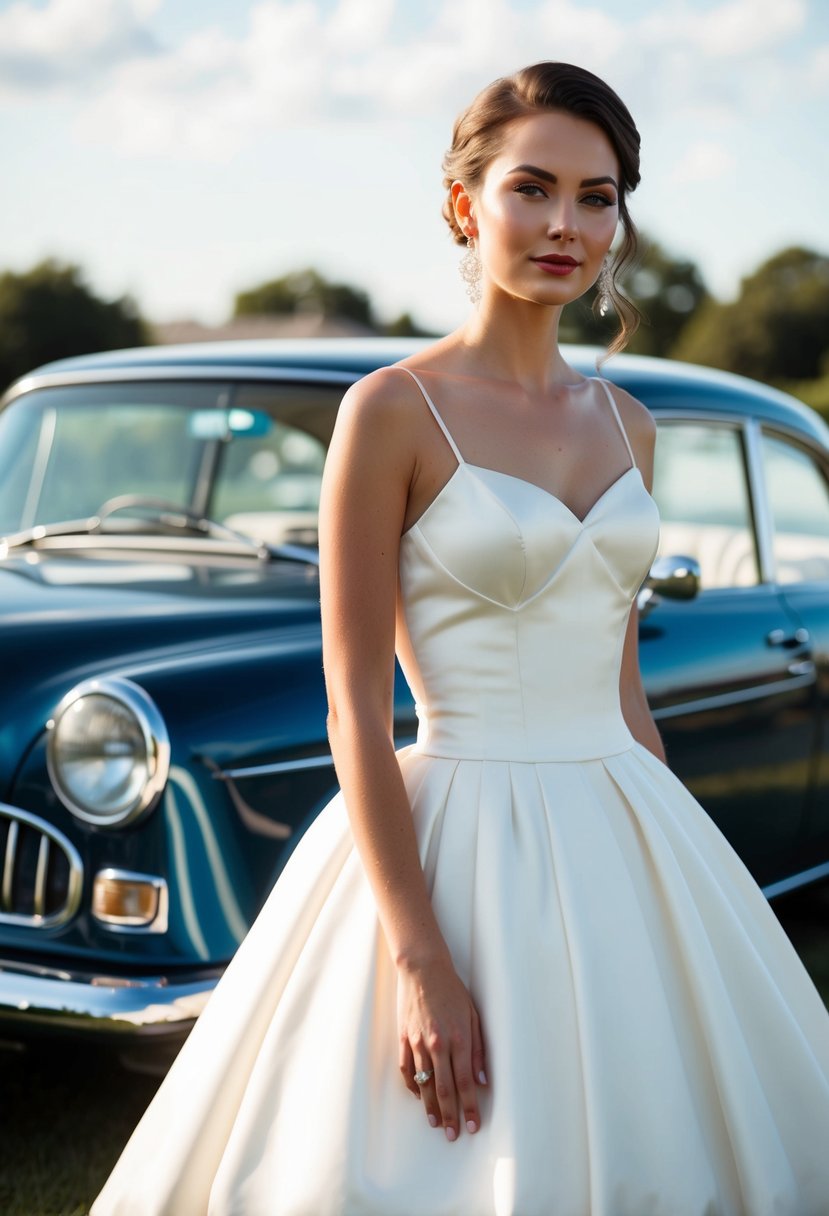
(423, 1075)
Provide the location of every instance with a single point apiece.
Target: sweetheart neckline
(524, 481)
(480, 468)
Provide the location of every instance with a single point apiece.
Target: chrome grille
(41, 873)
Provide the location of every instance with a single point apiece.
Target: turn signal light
(126, 899)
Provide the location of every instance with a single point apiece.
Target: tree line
(776, 330)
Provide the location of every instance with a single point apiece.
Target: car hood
(69, 617)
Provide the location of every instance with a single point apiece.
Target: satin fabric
(655, 1047)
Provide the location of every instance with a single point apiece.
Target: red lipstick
(556, 263)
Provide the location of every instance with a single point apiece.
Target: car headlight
(108, 752)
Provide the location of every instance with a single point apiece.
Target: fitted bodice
(516, 612)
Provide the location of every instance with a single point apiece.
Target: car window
(66, 451)
(701, 489)
(799, 504)
(268, 485)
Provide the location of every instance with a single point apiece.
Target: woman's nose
(562, 226)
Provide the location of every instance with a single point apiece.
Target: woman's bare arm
(369, 470)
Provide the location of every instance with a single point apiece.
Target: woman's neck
(517, 340)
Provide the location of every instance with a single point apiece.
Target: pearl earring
(470, 269)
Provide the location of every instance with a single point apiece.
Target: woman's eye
(532, 189)
(598, 200)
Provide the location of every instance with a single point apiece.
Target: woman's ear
(464, 209)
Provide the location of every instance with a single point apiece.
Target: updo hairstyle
(480, 131)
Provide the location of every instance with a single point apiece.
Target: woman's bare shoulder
(383, 421)
(380, 401)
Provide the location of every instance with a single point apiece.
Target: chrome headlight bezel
(150, 724)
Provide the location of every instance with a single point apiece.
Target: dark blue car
(162, 710)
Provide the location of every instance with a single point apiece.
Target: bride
(515, 969)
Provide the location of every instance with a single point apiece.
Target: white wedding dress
(654, 1045)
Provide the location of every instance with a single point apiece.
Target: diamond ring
(423, 1075)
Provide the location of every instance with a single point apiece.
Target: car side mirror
(672, 577)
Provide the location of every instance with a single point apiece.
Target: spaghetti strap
(615, 409)
(436, 415)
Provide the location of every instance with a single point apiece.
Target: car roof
(663, 383)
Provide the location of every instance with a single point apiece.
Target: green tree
(777, 329)
(405, 326)
(305, 291)
(49, 313)
(666, 290)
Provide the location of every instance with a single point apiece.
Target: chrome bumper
(35, 998)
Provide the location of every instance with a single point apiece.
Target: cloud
(744, 27)
(357, 24)
(733, 29)
(70, 43)
(703, 161)
(214, 93)
(817, 75)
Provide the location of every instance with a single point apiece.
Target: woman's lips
(559, 266)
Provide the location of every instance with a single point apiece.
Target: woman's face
(547, 208)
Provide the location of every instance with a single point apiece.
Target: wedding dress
(654, 1045)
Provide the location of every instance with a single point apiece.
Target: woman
(540, 935)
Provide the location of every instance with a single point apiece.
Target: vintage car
(162, 710)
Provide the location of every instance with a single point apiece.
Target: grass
(66, 1110)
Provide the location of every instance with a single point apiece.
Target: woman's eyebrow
(551, 177)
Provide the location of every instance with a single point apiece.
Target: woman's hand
(440, 1032)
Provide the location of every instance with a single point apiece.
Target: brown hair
(479, 133)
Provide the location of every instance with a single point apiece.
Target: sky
(183, 150)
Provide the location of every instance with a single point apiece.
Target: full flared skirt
(654, 1045)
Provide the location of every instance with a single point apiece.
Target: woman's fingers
(426, 1089)
(465, 1085)
(408, 1066)
(445, 1088)
(478, 1052)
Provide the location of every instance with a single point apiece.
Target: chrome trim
(795, 881)
(802, 667)
(280, 766)
(759, 500)
(64, 999)
(144, 542)
(156, 741)
(682, 414)
(8, 863)
(158, 924)
(128, 541)
(40, 463)
(74, 886)
(324, 760)
(724, 699)
(39, 898)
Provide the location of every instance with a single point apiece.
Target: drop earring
(470, 269)
(604, 287)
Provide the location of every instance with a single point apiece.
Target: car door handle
(805, 667)
(780, 637)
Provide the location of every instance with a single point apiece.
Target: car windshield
(249, 456)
